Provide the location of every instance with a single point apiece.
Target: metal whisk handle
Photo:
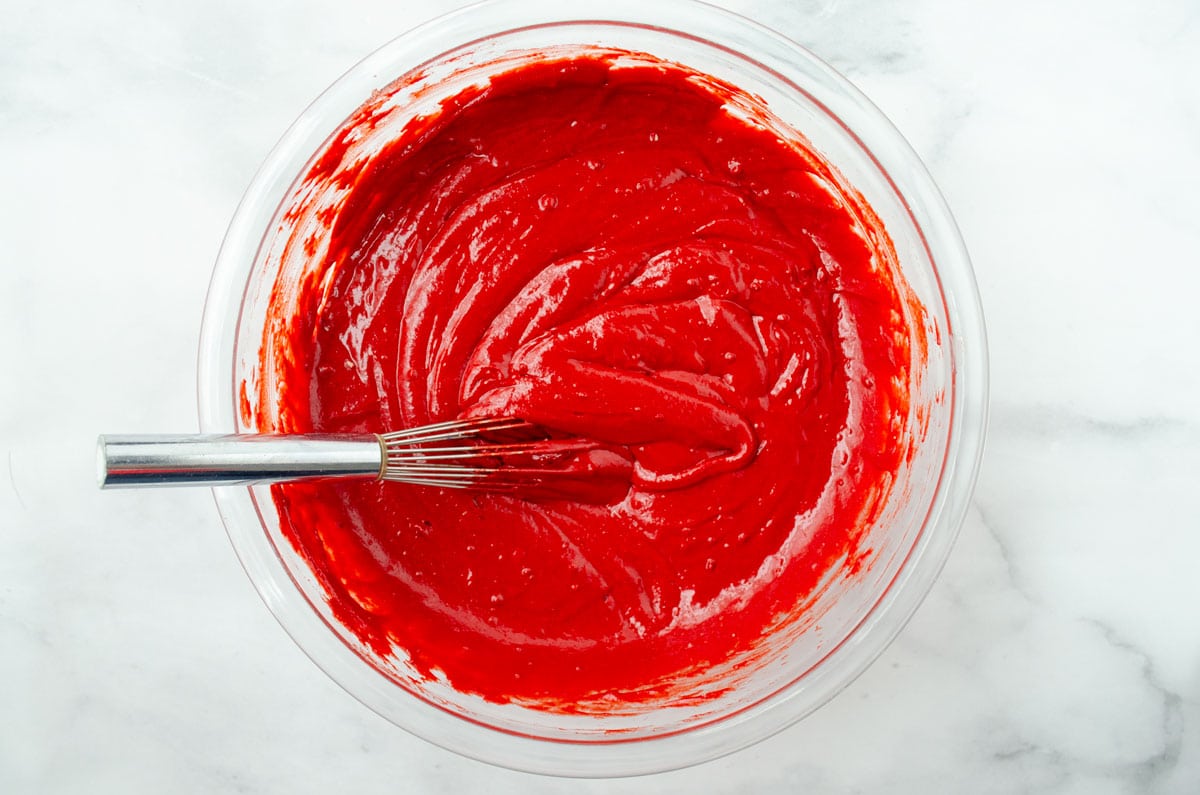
(219, 460)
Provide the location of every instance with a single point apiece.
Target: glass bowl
(855, 616)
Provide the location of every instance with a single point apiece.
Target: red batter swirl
(597, 244)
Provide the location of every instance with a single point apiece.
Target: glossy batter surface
(601, 246)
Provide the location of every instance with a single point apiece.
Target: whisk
(494, 454)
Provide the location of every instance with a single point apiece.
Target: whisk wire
(492, 454)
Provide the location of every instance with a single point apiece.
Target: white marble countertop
(1058, 653)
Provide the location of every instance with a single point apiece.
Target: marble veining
(1059, 651)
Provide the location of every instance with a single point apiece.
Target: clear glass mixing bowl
(856, 616)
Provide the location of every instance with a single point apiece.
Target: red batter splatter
(597, 244)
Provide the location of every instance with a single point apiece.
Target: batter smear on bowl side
(618, 248)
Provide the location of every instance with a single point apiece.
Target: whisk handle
(220, 460)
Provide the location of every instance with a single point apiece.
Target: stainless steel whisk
(494, 454)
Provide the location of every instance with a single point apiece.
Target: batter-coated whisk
(494, 454)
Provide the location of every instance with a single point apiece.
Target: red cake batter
(599, 245)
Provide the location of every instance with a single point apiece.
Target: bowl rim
(967, 354)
